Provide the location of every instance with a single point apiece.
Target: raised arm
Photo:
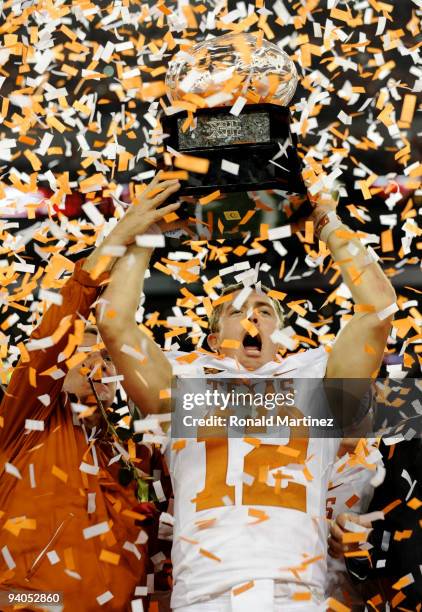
(146, 371)
(359, 348)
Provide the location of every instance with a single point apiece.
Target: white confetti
(44, 399)
(189, 81)
(344, 118)
(137, 605)
(281, 337)
(51, 296)
(34, 425)
(241, 298)
(248, 479)
(385, 540)
(218, 99)
(87, 468)
(45, 143)
(281, 12)
(93, 213)
(230, 167)
(112, 379)
(32, 476)
(104, 598)
(22, 267)
(42, 343)
(129, 350)
(95, 530)
(53, 557)
(141, 591)
(387, 312)
(276, 233)
(158, 488)
(9, 468)
(91, 506)
(114, 250)
(130, 546)
(237, 107)
(73, 574)
(158, 558)
(150, 423)
(8, 558)
(151, 241)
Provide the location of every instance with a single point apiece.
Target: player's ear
(212, 340)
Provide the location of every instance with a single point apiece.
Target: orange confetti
(58, 473)
(398, 598)
(189, 358)
(24, 353)
(249, 326)
(209, 555)
(178, 445)
(302, 596)
(191, 163)
(387, 241)
(297, 308)
(260, 515)
(391, 506)
(414, 503)
(75, 360)
(354, 538)
(364, 308)
(32, 377)
(210, 197)
(352, 501)
(247, 217)
(369, 349)
(181, 175)
(408, 110)
(288, 451)
(402, 583)
(230, 344)
(243, 588)
(402, 535)
(335, 606)
(278, 295)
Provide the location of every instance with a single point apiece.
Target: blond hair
(216, 313)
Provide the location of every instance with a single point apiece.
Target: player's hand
(322, 203)
(146, 210)
(338, 528)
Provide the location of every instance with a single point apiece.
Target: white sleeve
(172, 358)
(312, 363)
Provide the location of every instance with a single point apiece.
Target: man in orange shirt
(66, 524)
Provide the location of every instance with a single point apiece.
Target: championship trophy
(233, 91)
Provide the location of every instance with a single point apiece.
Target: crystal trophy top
(223, 68)
(230, 97)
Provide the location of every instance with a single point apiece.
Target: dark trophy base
(260, 144)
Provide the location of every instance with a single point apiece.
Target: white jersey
(350, 490)
(244, 509)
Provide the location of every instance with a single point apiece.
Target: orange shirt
(46, 500)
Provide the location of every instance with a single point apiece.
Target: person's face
(97, 365)
(252, 352)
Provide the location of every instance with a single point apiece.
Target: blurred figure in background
(67, 523)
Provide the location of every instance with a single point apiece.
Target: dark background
(106, 104)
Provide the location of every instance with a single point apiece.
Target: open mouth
(252, 344)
